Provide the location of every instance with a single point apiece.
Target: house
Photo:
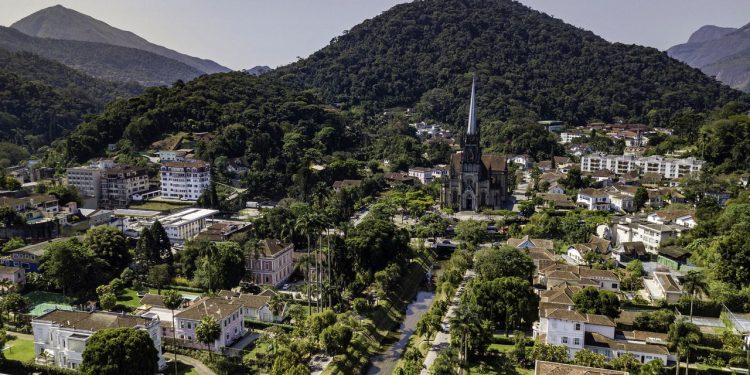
(152, 306)
(599, 246)
(237, 165)
(581, 276)
(272, 264)
(720, 197)
(603, 176)
(223, 230)
(346, 184)
(621, 202)
(629, 251)
(684, 218)
(523, 161)
(663, 287)
(392, 178)
(230, 310)
(27, 257)
(60, 336)
(424, 175)
(567, 137)
(557, 201)
(15, 275)
(556, 188)
(673, 257)
(525, 243)
(541, 257)
(578, 331)
(97, 217)
(554, 368)
(593, 199)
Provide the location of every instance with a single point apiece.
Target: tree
(593, 301)
(656, 321)
(626, 362)
(335, 339)
(161, 241)
(158, 276)
(109, 244)
(588, 358)
(16, 304)
(471, 232)
(694, 283)
(493, 263)
(640, 198)
(172, 300)
(653, 367)
(108, 301)
(635, 267)
(221, 266)
(429, 325)
(445, 363)
(109, 351)
(518, 353)
(591, 257)
(145, 250)
(549, 352)
(208, 331)
(12, 244)
(682, 335)
(69, 266)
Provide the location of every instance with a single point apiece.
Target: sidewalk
(443, 338)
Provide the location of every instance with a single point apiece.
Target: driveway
(385, 362)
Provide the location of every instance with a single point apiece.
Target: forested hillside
(527, 64)
(104, 61)
(41, 100)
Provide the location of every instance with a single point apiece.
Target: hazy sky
(244, 33)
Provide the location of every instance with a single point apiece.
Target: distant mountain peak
(59, 22)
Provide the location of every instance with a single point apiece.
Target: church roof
(496, 163)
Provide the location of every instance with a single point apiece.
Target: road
(443, 338)
(385, 363)
(198, 366)
(519, 194)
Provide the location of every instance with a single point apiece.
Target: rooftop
(187, 216)
(553, 368)
(92, 321)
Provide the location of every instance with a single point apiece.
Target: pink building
(272, 264)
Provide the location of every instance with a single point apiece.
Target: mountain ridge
(58, 22)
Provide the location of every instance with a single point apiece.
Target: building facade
(186, 224)
(272, 264)
(118, 185)
(475, 180)
(621, 164)
(184, 180)
(60, 336)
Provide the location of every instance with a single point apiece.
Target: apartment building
(86, 181)
(119, 184)
(621, 164)
(636, 228)
(184, 180)
(424, 175)
(60, 336)
(272, 264)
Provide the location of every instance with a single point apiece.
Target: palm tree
(208, 331)
(463, 323)
(694, 283)
(173, 299)
(276, 304)
(304, 225)
(683, 335)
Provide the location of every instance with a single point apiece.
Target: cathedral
(475, 180)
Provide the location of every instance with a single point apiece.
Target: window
(578, 326)
(564, 340)
(614, 285)
(576, 341)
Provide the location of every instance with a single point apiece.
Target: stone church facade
(475, 180)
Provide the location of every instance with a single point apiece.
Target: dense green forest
(104, 61)
(42, 100)
(528, 65)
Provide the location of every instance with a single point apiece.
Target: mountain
(58, 22)
(104, 61)
(721, 52)
(422, 54)
(42, 100)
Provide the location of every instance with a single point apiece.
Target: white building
(86, 180)
(634, 229)
(684, 218)
(186, 224)
(424, 175)
(184, 180)
(593, 199)
(621, 164)
(171, 155)
(578, 331)
(567, 137)
(60, 336)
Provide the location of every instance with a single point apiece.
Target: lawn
(182, 369)
(159, 206)
(19, 349)
(39, 296)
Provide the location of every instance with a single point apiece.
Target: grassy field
(182, 369)
(19, 349)
(39, 296)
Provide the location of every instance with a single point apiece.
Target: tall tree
(694, 283)
(161, 241)
(110, 244)
(112, 350)
(682, 335)
(640, 198)
(493, 263)
(145, 250)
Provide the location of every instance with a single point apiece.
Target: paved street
(443, 338)
(385, 363)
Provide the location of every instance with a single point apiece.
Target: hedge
(23, 368)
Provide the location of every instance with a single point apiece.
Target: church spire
(472, 129)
